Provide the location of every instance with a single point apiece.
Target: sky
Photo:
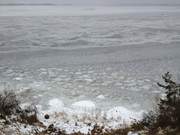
(93, 2)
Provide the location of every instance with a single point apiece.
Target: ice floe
(18, 78)
(84, 106)
(101, 97)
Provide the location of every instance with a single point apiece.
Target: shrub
(8, 103)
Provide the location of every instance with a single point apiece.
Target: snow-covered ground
(83, 115)
(88, 68)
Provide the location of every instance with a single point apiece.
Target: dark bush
(8, 103)
(149, 119)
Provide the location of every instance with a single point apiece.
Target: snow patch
(81, 113)
(131, 133)
(56, 105)
(123, 114)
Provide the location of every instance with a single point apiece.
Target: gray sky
(95, 2)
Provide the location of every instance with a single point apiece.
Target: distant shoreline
(69, 4)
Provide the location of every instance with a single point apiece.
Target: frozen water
(80, 11)
(54, 59)
(101, 97)
(84, 106)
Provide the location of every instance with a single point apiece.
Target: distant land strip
(33, 4)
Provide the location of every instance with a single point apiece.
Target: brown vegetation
(8, 103)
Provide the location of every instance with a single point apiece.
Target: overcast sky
(95, 2)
